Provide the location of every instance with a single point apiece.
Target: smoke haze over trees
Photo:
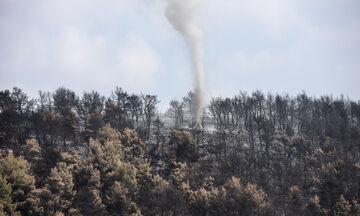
(255, 154)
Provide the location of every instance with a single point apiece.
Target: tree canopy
(254, 154)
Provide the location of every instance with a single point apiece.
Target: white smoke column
(180, 14)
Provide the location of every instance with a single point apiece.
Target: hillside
(253, 154)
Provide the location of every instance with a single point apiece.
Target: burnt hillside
(254, 154)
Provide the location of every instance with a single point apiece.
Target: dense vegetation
(255, 154)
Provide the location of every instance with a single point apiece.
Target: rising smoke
(180, 14)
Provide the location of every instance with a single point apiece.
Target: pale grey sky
(272, 45)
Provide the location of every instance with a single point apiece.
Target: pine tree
(7, 207)
(88, 198)
(15, 173)
(59, 191)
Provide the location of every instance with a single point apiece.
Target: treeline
(255, 154)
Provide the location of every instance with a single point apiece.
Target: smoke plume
(180, 14)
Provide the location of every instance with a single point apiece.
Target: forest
(254, 154)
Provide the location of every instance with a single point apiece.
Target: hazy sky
(272, 45)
